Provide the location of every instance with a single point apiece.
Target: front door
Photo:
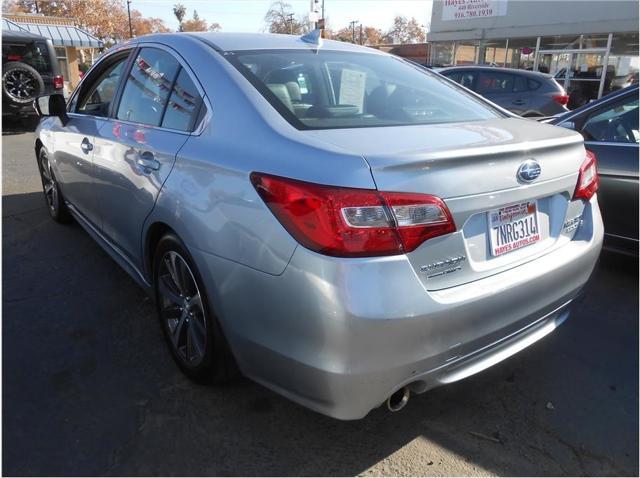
(75, 142)
(136, 151)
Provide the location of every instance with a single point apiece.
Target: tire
(192, 331)
(53, 196)
(21, 83)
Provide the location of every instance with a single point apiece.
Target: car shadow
(89, 387)
(18, 125)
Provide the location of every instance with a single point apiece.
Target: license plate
(513, 227)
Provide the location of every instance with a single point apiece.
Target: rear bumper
(339, 336)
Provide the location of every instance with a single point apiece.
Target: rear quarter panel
(208, 198)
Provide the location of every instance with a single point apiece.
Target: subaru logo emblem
(529, 170)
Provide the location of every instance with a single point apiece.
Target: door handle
(519, 102)
(147, 161)
(86, 145)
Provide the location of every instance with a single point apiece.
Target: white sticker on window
(352, 88)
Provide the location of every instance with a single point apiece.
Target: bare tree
(281, 19)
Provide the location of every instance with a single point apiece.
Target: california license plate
(513, 227)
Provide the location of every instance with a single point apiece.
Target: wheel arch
(156, 231)
(38, 146)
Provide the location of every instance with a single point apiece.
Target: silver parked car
(525, 93)
(342, 226)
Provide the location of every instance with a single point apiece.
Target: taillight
(588, 179)
(562, 99)
(347, 222)
(58, 82)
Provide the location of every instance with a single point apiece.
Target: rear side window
(183, 105)
(520, 84)
(533, 84)
(338, 89)
(35, 54)
(494, 82)
(148, 86)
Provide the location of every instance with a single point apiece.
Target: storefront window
(574, 42)
(624, 61)
(442, 54)
(466, 53)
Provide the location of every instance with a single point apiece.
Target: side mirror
(52, 105)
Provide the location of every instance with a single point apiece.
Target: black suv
(29, 69)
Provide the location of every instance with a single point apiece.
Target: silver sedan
(333, 222)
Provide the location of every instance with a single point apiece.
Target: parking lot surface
(90, 389)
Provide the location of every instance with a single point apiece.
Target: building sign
(469, 9)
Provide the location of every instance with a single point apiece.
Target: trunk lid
(473, 168)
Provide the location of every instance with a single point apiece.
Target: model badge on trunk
(445, 266)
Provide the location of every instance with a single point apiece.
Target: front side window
(97, 95)
(148, 87)
(335, 89)
(465, 78)
(617, 123)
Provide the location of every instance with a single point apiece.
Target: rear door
(75, 142)
(136, 150)
(611, 132)
(499, 87)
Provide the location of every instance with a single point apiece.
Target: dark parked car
(29, 70)
(525, 93)
(610, 130)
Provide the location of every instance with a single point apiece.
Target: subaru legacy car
(339, 225)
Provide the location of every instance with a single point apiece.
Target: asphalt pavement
(89, 388)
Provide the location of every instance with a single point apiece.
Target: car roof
(13, 35)
(533, 74)
(258, 41)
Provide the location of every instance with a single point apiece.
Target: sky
(248, 15)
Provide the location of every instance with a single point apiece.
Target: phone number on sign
(488, 12)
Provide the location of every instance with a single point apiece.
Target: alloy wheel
(181, 308)
(20, 85)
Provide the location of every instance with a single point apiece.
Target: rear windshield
(35, 54)
(335, 89)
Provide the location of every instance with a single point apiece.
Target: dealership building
(590, 45)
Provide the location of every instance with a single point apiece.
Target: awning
(60, 35)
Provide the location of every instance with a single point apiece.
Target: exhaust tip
(398, 399)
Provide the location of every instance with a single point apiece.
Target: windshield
(335, 89)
